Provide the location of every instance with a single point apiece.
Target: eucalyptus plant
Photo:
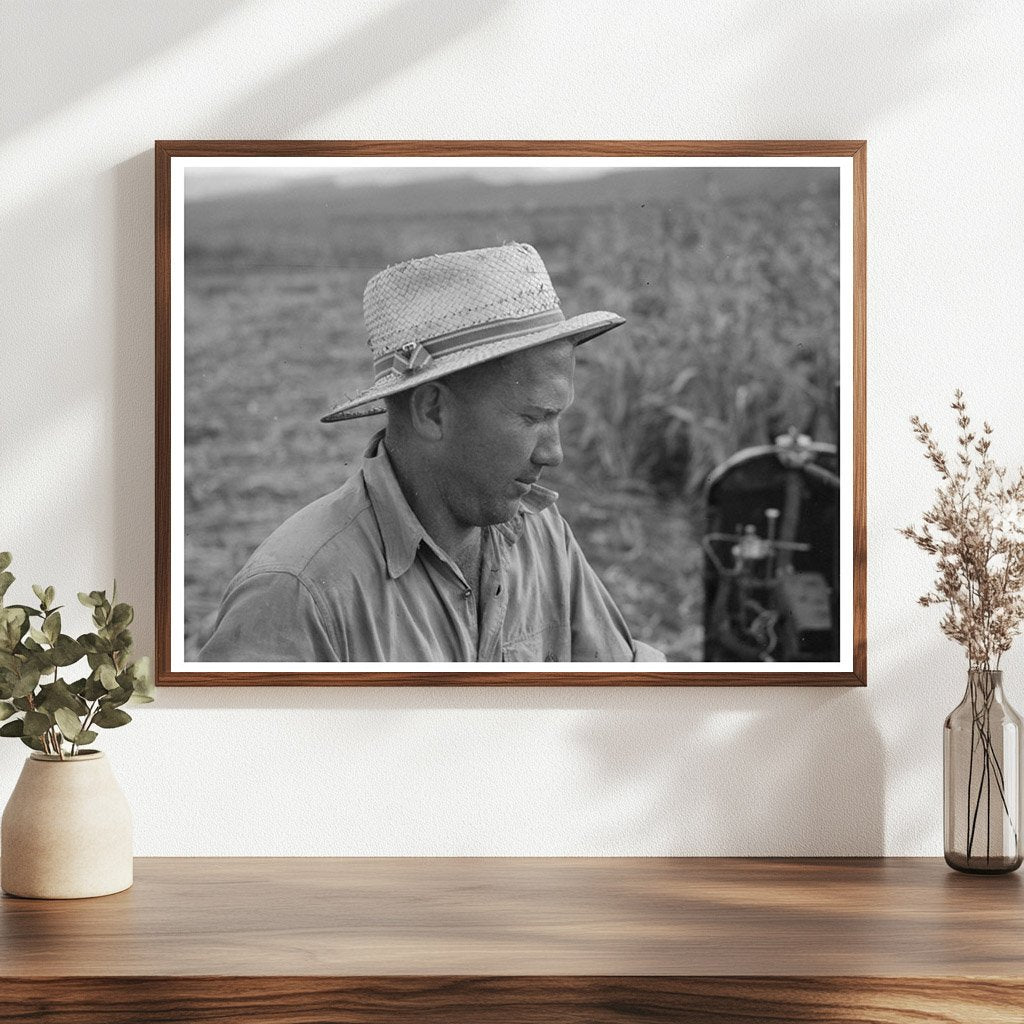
(54, 716)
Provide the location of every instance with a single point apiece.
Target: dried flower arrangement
(978, 524)
(975, 528)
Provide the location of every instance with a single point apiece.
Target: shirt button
(467, 593)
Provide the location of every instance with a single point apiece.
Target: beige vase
(66, 831)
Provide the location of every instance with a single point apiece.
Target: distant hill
(468, 194)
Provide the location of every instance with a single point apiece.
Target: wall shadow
(133, 387)
(810, 53)
(48, 62)
(692, 771)
(738, 772)
(393, 40)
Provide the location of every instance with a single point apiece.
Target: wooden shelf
(311, 940)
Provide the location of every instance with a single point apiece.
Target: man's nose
(549, 450)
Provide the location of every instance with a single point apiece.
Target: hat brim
(371, 401)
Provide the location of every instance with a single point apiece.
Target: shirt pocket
(540, 645)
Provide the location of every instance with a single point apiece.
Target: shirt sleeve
(269, 616)
(599, 632)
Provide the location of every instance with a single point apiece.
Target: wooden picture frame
(810, 194)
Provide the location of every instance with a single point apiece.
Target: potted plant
(975, 530)
(66, 830)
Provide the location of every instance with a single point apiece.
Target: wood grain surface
(504, 916)
(530, 1000)
(523, 939)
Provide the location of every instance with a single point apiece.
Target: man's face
(504, 431)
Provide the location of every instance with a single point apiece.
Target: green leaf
(28, 610)
(12, 627)
(121, 616)
(69, 724)
(89, 600)
(40, 592)
(140, 670)
(38, 635)
(36, 723)
(96, 660)
(6, 710)
(122, 644)
(106, 675)
(22, 703)
(94, 644)
(115, 698)
(10, 662)
(5, 559)
(94, 689)
(31, 741)
(15, 728)
(51, 626)
(67, 651)
(109, 718)
(15, 615)
(28, 680)
(50, 595)
(6, 579)
(86, 736)
(142, 681)
(58, 695)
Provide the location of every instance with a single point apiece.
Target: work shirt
(355, 577)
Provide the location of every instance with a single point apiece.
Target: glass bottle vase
(981, 773)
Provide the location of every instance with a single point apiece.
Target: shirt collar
(535, 500)
(400, 530)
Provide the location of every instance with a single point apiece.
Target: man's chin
(503, 512)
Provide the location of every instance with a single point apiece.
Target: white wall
(938, 90)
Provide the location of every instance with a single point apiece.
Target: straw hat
(430, 317)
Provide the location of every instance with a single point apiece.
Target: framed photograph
(493, 413)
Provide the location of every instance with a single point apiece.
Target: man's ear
(428, 409)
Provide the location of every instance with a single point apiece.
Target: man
(443, 546)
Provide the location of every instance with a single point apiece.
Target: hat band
(409, 358)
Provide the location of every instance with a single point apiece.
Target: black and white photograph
(515, 413)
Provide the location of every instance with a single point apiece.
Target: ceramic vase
(66, 830)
